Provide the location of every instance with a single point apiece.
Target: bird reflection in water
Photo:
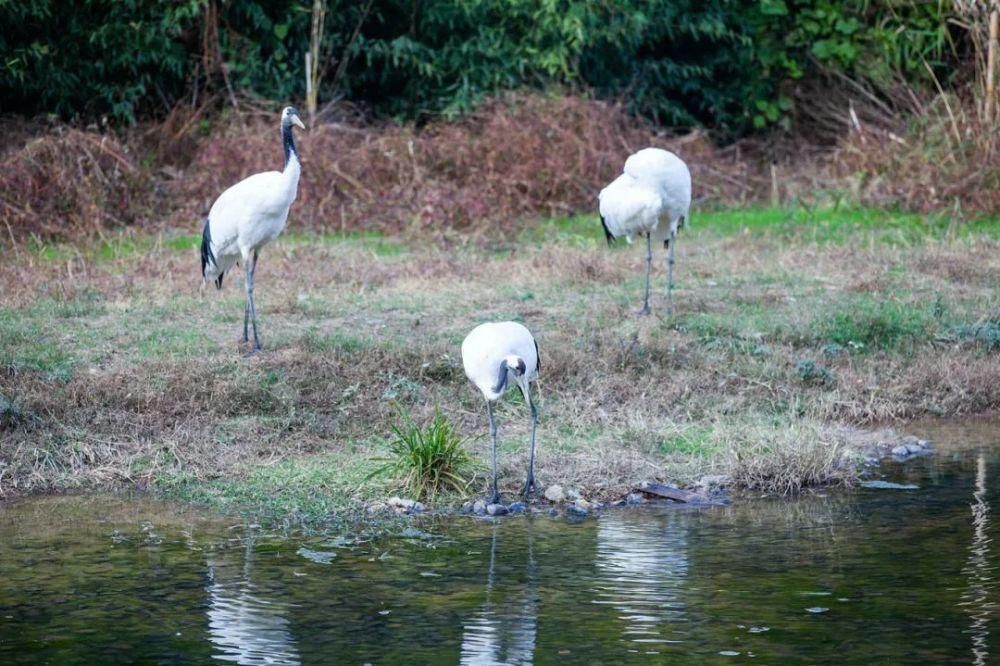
(640, 573)
(976, 598)
(503, 629)
(245, 626)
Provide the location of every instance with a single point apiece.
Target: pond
(870, 575)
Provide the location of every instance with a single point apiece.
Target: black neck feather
(289, 142)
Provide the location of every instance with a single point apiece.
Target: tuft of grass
(985, 333)
(812, 372)
(782, 455)
(428, 459)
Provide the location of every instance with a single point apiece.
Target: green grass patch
(375, 242)
(27, 345)
(692, 441)
(305, 488)
(345, 343)
(835, 224)
(865, 323)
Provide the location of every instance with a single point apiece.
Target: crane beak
(297, 122)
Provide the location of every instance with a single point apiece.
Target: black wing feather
(207, 256)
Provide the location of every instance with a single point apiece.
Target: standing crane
(248, 216)
(496, 357)
(652, 198)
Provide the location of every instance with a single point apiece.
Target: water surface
(868, 576)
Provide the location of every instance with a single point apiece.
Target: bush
(720, 63)
(428, 458)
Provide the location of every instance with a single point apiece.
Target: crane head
(290, 116)
(513, 364)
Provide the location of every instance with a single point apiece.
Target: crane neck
(288, 141)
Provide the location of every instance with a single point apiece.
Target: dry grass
(518, 158)
(114, 373)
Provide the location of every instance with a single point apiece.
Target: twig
(947, 105)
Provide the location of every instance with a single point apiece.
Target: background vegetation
(726, 64)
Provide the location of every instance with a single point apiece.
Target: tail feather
(607, 232)
(207, 257)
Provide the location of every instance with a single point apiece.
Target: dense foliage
(723, 63)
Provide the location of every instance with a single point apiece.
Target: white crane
(652, 197)
(248, 216)
(496, 357)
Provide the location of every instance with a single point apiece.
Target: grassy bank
(792, 329)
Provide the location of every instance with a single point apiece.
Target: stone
(555, 494)
(583, 504)
(467, 507)
(900, 450)
(496, 509)
(479, 507)
(573, 495)
(634, 498)
(713, 482)
(576, 512)
(914, 448)
(518, 507)
(909, 439)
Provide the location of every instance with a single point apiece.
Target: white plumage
(248, 216)
(652, 197)
(496, 357)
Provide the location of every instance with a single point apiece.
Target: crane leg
(493, 436)
(649, 265)
(251, 268)
(670, 273)
(246, 322)
(529, 483)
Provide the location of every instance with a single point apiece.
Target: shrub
(428, 458)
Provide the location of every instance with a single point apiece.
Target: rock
(467, 507)
(900, 450)
(403, 504)
(555, 494)
(634, 498)
(888, 485)
(496, 509)
(479, 507)
(583, 504)
(914, 448)
(909, 439)
(377, 507)
(573, 495)
(670, 492)
(576, 512)
(713, 482)
(518, 507)
(617, 503)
